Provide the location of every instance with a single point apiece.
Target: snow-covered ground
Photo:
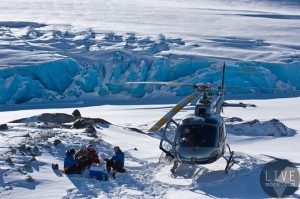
(145, 176)
(57, 56)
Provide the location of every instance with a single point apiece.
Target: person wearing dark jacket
(116, 162)
(70, 163)
(188, 138)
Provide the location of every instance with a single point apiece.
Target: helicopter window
(170, 131)
(199, 136)
(221, 134)
(187, 136)
(206, 136)
(224, 131)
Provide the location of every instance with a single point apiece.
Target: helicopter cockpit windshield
(201, 135)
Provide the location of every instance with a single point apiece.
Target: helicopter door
(167, 142)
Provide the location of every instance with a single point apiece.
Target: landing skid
(175, 165)
(165, 158)
(230, 161)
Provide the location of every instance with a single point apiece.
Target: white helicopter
(206, 139)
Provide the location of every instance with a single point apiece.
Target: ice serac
(43, 81)
(289, 72)
(68, 77)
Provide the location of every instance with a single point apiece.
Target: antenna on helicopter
(223, 75)
(210, 92)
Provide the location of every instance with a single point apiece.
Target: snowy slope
(145, 176)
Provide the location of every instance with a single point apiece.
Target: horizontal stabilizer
(225, 104)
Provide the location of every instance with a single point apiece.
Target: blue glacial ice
(101, 64)
(67, 78)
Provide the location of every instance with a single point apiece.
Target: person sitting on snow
(70, 163)
(93, 155)
(88, 156)
(83, 155)
(116, 162)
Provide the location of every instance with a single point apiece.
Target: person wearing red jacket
(93, 156)
(87, 156)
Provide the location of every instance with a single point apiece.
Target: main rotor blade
(251, 87)
(208, 86)
(163, 83)
(173, 111)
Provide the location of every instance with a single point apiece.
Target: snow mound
(59, 118)
(257, 128)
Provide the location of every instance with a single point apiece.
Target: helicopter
(206, 141)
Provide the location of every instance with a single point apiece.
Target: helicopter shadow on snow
(277, 158)
(186, 171)
(198, 173)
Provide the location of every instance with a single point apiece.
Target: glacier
(42, 64)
